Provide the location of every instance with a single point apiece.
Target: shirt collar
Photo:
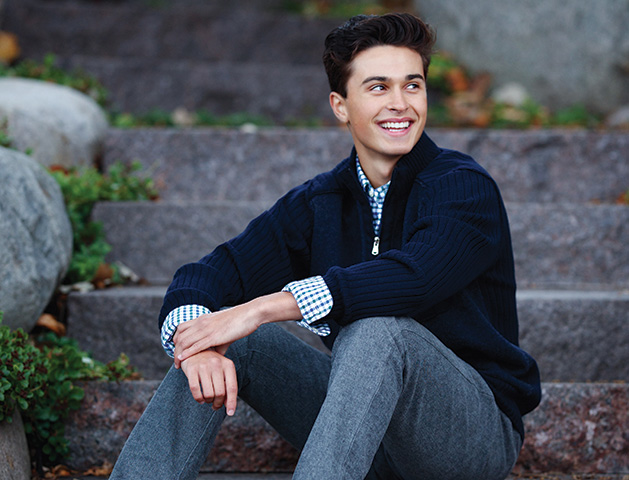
(366, 184)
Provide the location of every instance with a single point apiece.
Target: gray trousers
(392, 403)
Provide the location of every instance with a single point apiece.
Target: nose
(397, 101)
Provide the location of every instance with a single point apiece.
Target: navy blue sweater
(445, 260)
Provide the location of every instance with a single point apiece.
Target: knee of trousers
(403, 335)
(378, 331)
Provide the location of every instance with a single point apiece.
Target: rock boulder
(35, 238)
(58, 124)
(16, 463)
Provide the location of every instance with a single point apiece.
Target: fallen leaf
(9, 47)
(102, 275)
(104, 470)
(457, 80)
(51, 323)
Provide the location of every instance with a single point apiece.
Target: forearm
(276, 307)
(226, 326)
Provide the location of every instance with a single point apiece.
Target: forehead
(385, 61)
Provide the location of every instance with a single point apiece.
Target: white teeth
(395, 125)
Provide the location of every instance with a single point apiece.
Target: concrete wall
(562, 51)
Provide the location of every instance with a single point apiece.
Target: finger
(218, 382)
(185, 334)
(206, 374)
(208, 332)
(182, 327)
(176, 356)
(191, 340)
(231, 389)
(195, 386)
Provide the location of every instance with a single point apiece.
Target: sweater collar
(406, 169)
(411, 164)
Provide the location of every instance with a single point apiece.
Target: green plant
(5, 140)
(81, 189)
(441, 71)
(23, 372)
(48, 71)
(576, 115)
(153, 118)
(39, 379)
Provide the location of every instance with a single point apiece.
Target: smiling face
(385, 107)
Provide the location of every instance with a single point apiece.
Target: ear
(337, 102)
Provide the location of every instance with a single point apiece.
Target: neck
(378, 173)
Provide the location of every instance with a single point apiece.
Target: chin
(402, 150)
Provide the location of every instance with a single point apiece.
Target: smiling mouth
(395, 126)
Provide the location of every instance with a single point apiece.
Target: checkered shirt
(172, 321)
(314, 300)
(376, 196)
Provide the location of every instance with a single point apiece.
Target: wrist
(276, 307)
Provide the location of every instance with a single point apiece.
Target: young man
(400, 258)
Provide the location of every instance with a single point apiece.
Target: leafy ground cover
(38, 378)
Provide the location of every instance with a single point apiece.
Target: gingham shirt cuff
(174, 319)
(315, 302)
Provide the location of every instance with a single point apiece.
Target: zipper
(375, 249)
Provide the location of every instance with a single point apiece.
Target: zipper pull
(376, 246)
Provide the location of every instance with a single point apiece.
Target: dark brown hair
(365, 31)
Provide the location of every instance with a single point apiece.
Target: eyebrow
(376, 78)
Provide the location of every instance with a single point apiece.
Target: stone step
(574, 335)
(108, 322)
(579, 428)
(288, 476)
(554, 244)
(208, 30)
(253, 59)
(530, 166)
(280, 93)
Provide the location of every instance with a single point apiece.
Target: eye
(377, 88)
(414, 86)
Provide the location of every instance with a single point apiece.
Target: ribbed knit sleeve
(272, 251)
(454, 239)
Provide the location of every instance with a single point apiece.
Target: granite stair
(571, 263)
(580, 428)
(185, 54)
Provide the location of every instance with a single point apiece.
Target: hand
(218, 330)
(212, 379)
